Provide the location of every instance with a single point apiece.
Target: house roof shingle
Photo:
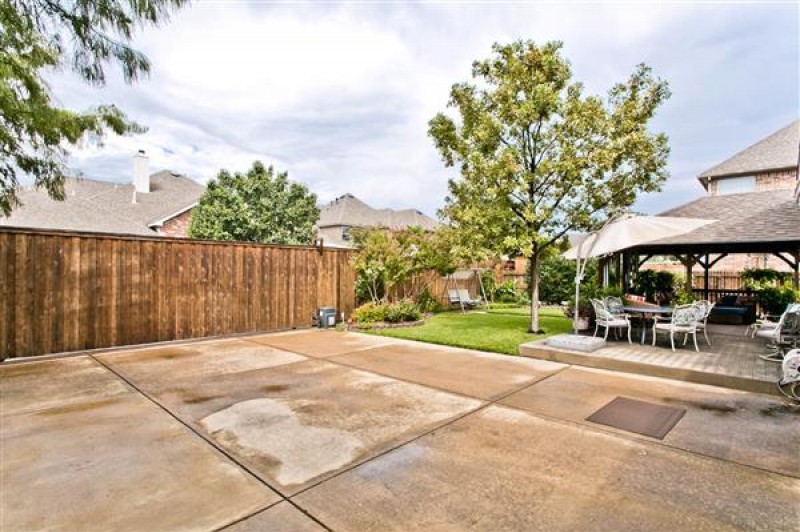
(771, 216)
(775, 152)
(347, 210)
(105, 207)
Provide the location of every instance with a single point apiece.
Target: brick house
(769, 164)
(158, 204)
(346, 212)
(740, 182)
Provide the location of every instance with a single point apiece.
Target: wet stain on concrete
(275, 388)
(84, 406)
(200, 399)
(172, 354)
(270, 429)
(31, 386)
(779, 410)
(717, 407)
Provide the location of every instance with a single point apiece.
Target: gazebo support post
(626, 272)
(794, 263)
(688, 262)
(706, 268)
(796, 280)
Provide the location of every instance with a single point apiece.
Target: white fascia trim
(160, 222)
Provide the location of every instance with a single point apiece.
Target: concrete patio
(316, 430)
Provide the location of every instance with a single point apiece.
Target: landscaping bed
(384, 325)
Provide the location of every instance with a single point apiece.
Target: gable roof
(348, 210)
(770, 216)
(776, 152)
(105, 207)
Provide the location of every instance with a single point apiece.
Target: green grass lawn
(500, 331)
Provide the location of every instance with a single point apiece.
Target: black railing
(715, 294)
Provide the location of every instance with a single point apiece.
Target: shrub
(774, 300)
(757, 278)
(506, 292)
(402, 311)
(682, 296)
(427, 303)
(500, 306)
(654, 285)
(557, 279)
(523, 298)
(370, 313)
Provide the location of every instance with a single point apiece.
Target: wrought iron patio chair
(765, 327)
(789, 383)
(604, 318)
(703, 309)
(786, 337)
(683, 321)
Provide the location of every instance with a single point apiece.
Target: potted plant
(584, 313)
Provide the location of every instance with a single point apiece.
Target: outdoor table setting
(645, 313)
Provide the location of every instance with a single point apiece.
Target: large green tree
(258, 206)
(539, 158)
(41, 36)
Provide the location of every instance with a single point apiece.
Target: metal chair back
(614, 305)
(789, 326)
(600, 310)
(685, 315)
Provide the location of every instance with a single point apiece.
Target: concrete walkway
(319, 430)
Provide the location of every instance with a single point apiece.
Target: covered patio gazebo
(765, 223)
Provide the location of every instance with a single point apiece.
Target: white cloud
(340, 95)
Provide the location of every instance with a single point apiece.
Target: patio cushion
(614, 323)
(772, 332)
(676, 328)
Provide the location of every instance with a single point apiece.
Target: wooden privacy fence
(719, 280)
(63, 291)
(437, 286)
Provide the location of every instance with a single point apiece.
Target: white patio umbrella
(631, 231)
(623, 233)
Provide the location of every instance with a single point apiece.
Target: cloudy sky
(340, 94)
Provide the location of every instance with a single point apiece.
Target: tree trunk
(534, 260)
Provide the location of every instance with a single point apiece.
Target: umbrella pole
(578, 279)
(580, 269)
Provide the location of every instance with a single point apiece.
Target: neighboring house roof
(778, 151)
(347, 210)
(770, 216)
(105, 207)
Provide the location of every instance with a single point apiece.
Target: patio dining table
(643, 311)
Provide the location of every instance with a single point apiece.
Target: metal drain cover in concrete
(638, 416)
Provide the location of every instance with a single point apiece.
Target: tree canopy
(539, 158)
(407, 259)
(258, 206)
(40, 36)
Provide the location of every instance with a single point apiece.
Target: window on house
(510, 265)
(345, 233)
(736, 185)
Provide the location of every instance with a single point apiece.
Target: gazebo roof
(750, 222)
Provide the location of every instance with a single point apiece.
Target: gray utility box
(325, 317)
